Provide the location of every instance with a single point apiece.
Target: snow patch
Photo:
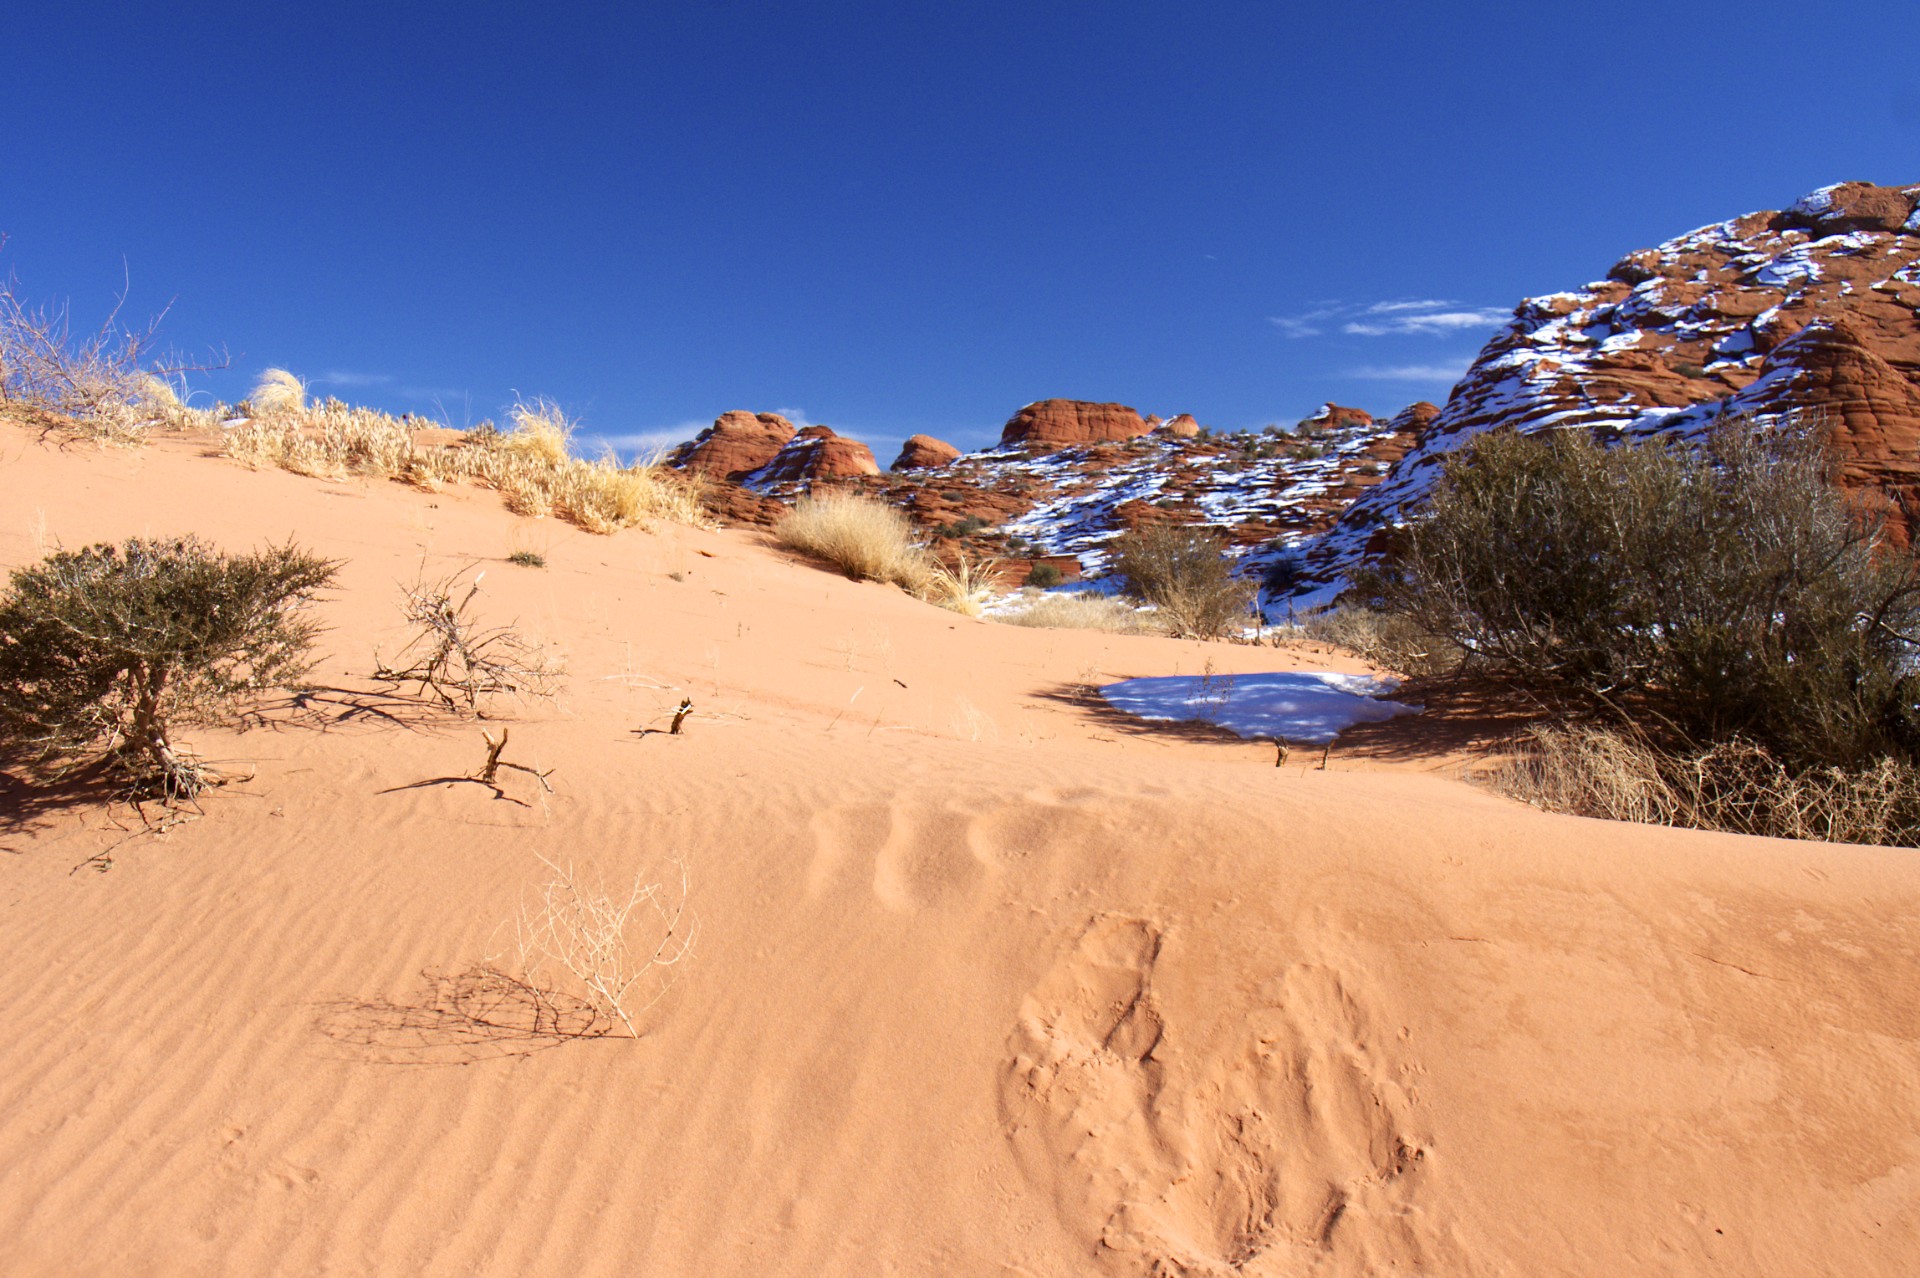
(1308, 707)
(1814, 203)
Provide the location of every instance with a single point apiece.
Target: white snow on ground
(1307, 707)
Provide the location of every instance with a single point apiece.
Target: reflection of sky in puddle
(1303, 706)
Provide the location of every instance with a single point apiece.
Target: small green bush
(1184, 573)
(103, 650)
(1043, 575)
(528, 559)
(1713, 592)
(965, 526)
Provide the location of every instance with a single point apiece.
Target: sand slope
(987, 983)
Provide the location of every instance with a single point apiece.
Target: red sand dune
(987, 984)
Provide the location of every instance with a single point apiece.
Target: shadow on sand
(478, 1014)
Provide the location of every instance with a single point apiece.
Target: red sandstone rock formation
(1059, 423)
(737, 444)
(816, 453)
(1181, 427)
(1871, 407)
(924, 452)
(1335, 417)
(1812, 309)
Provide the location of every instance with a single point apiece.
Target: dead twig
(488, 770)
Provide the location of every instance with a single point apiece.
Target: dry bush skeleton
(457, 658)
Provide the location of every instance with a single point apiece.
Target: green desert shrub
(1710, 592)
(1043, 575)
(104, 650)
(1184, 573)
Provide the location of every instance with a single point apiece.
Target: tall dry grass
(528, 465)
(278, 391)
(965, 584)
(1386, 639)
(871, 541)
(867, 539)
(540, 432)
(1076, 610)
(1734, 786)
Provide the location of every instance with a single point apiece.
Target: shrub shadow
(481, 1013)
(27, 804)
(321, 708)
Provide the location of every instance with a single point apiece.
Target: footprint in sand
(918, 858)
(1293, 1148)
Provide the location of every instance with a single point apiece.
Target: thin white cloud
(1310, 323)
(1448, 373)
(798, 416)
(1395, 308)
(1428, 323)
(1295, 326)
(343, 377)
(642, 443)
(1414, 317)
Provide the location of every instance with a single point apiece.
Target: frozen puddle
(1310, 707)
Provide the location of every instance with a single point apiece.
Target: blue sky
(892, 217)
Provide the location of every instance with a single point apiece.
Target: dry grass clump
(965, 584)
(329, 441)
(278, 391)
(872, 541)
(528, 464)
(1735, 786)
(541, 433)
(1083, 611)
(867, 539)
